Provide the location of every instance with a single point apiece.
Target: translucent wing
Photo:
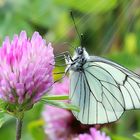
(103, 91)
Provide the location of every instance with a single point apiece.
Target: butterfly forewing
(128, 83)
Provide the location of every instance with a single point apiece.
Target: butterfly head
(80, 53)
(78, 60)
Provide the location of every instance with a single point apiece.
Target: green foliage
(137, 135)
(97, 6)
(54, 101)
(3, 118)
(60, 104)
(114, 137)
(125, 59)
(36, 129)
(56, 97)
(27, 15)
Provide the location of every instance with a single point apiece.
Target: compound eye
(80, 51)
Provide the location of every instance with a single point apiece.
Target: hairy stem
(19, 127)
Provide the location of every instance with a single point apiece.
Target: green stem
(19, 122)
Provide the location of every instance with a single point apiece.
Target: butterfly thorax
(78, 60)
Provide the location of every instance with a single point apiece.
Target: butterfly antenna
(82, 40)
(80, 36)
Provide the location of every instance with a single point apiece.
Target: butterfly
(102, 89)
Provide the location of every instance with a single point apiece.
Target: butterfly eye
(80, 51)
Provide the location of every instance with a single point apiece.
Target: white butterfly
(102, 89)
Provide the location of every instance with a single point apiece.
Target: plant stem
(19, 127)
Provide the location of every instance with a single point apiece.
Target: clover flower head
(61, 87)
(57, 120)
(97, 135)
(25, 69)
(94, 135)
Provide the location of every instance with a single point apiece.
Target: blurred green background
(111, 29)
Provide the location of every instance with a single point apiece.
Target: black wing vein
(75, 86)
(101, 80)
(113, 97)
(89, 86)
(130, 96)
(134, 91)
(111, 106)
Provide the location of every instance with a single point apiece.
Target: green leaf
(36, 129)
(61, 105)
(3, 105)
(116, 137)
(3, 118)
(137, 135)
(56, 97)
(96, 6)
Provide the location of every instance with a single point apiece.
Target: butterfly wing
(103, 91)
